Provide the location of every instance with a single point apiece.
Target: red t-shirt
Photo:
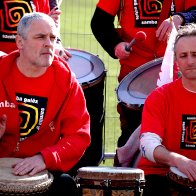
(10, 13)
(170, 112)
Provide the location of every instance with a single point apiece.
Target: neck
(29, 70)
(190, 85)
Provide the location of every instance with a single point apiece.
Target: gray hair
(187, 30)
(28, 18)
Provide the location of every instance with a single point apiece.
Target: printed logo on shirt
(188, 138)
(32, 110)
(147, 12)
(11, 12)
(7, 104)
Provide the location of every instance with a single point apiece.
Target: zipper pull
(17, 147)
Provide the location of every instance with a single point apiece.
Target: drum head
(87, 67)
(112, 173)
(12, 184)
(138, 84)
(180, 178)
(177, 172)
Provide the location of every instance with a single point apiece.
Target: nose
(48, 42)
(190, 60)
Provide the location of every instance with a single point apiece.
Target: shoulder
(7, 61)
(110, 7)
(165, 91)
(63, 72)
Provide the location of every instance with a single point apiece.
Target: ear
(19, 42)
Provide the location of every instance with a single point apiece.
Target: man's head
(36, 39)
(185, 51)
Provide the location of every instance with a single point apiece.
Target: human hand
(55, 15)
(188, 167)
(3, 120)
(29, 165)
(63, 53)
(120, 51)
(165, 28)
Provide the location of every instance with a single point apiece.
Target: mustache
(47, 51)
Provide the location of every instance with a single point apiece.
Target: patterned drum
(111, 181)
(181, 185)
(22, 185)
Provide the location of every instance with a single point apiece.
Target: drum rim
(181, 181)
(99, 77)
(11, 188)
(131, 76)
(35, 184)
(83, 172)
(176, 171)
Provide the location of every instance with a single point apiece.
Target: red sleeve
(75, 134)
(109, 6)
(74, 129)
(153, 113)
(189, 3)
(42, 6)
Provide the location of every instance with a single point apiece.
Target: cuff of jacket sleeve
(148, 143)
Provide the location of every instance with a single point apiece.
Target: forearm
(153, 150)
(163, 156)
(188, 16)
(102, 25)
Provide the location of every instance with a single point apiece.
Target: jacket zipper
(17, 147)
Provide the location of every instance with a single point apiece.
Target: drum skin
(88, 68)
(22, 185)
(110, 181)
(134, 88)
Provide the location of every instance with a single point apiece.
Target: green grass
(76, 33)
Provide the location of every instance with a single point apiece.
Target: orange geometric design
(14, 10)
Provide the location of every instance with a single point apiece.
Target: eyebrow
(43, 34)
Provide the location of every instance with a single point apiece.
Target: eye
(183, 55)
(40, 37)
(52, 38)
(194, 54)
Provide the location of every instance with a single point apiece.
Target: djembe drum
(110, 181)
(22, 185)
(180, 184)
